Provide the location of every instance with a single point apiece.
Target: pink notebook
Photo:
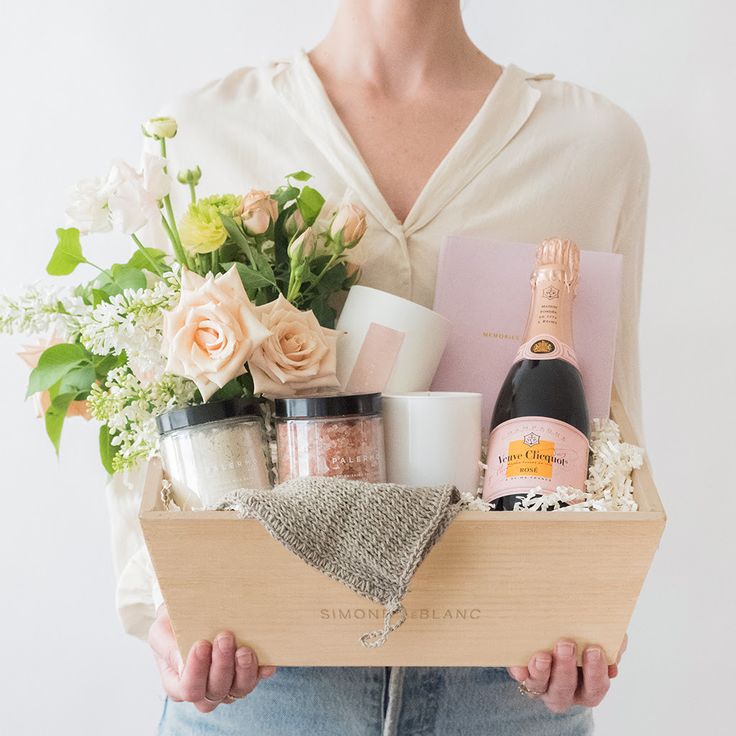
(483, 289)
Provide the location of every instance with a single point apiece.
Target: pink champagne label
(532, 452)
(547, 347)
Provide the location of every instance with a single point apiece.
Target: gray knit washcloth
(370, 537)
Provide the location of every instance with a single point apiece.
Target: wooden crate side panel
(488, 594)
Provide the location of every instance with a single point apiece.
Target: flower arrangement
(242, 307)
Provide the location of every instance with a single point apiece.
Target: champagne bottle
(540, 425)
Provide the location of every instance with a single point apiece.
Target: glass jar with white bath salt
(330, 436)
(213, 448)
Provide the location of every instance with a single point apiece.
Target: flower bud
(304, 246)
(349, 221)
(294, 223)
(257, 211)
(159, 128)
(190, 176)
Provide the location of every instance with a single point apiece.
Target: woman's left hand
(555, 678)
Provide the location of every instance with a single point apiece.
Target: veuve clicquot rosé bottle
(540, 425)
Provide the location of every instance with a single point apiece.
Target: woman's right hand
(215, 673)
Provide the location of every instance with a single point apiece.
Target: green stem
(322, 273)
(154, 266)
(181, 256)
(214, 262)
(193, 192)
(102, 270)
(170, 226)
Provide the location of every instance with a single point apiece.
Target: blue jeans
(379, 701)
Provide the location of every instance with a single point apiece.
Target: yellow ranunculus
(201, 229)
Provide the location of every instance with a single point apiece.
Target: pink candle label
(376, 360)
(534, 451)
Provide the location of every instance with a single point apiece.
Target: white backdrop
(77, 78)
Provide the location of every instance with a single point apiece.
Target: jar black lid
(189, 416)
(334, 405)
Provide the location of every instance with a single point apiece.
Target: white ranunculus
(87, 209)
(159, 128)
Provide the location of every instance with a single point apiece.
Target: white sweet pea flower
(155, 179)
(133, 196)
(87, 209)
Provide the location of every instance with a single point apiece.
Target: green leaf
(129, 277)
(105, 363)
(236, 233)
(264, 267)
(78, 381)
(310, 203)
(283, 195)
(332, 281)
(252, 279)
(229, 252)
(68, 253)
(99, 295)
(55, 362)
(108, 451)
(121, 276)
(324, 313)
(54, 418)
(138, 260)
(281, 237)
(230, 390)
(299, 176)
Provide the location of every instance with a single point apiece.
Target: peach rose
(257, 211)
(212, 332)
(30, 356)
(300, 354)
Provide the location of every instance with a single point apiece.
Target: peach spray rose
(212, 332)
(298, 355)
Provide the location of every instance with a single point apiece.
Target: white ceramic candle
(433, 438)
(425, 337)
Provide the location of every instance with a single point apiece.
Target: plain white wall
(77, 78)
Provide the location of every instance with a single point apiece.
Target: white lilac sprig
(41, 309)
(132, 322)
(127, 408)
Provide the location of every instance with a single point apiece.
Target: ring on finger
(213, 702)
(525, 690)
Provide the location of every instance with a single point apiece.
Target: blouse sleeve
(137, 595)
(629, 241)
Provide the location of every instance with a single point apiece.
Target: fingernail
(593, 654)
(225, 643)
(202, 650)
(565, 649)
(244, 657)
(543, 662)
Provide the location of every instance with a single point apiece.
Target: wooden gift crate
(496, 588)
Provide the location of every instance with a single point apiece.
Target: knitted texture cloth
(369, 536)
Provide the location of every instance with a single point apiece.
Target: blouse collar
(505, 110)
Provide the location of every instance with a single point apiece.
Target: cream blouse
(540, 158)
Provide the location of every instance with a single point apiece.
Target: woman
(433, 138)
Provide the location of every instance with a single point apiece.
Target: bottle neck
(548, 331)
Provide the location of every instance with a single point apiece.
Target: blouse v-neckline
(504, 111)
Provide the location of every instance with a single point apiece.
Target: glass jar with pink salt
(330, 436)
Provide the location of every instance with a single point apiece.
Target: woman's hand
(555, 678)
(214, 673)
